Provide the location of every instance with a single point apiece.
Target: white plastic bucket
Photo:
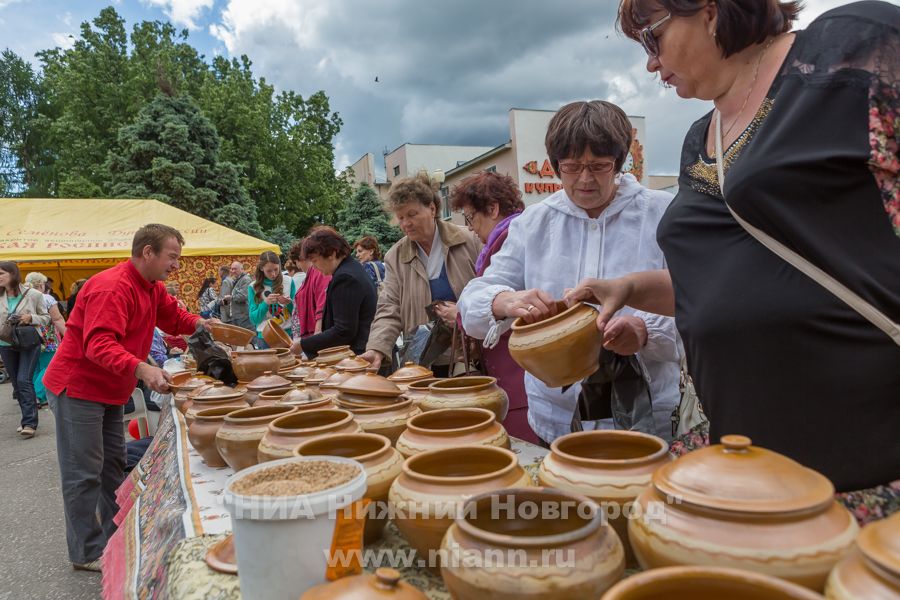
(281, 543)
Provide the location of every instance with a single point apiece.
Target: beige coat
(32, 304)
(406, 293)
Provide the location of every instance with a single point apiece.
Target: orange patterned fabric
(194, 269)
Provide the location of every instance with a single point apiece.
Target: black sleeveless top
(774, 356)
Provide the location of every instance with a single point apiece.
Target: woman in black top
(810, 123)
(349, 300)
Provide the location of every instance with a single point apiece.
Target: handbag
(18, 336)
(689, 412)
(618, 389)
(854, 301)
(464, 353)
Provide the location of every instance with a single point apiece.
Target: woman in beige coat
(431, 265)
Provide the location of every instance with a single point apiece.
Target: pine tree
(364, 215)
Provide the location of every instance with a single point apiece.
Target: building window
(396, 170)
(445, 202)
(491, 169)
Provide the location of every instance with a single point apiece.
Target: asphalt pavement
(33, 557)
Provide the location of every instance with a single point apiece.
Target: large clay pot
(706, 583)
(735, 505)
(384, 584)
(213, 396)
(238, 438)
(381, 462)
(433, 486)
(872, 570)
(332, 356)
(231, 334)
(388, 420)
(250, 364)
(202, 433)
(409, 373)
(609, 467)
(560, 350)
(285, 434)
(275, 336)
(417, 390)
(265, 382)
(467, 392)
(451, 427)
(547, 543)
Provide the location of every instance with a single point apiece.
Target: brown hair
(599, 125)
(324, 241)
(153, 235)
(482, 190)
(296, 251)
(224, 270)
(258, 284)
(740, 23)
(414, 189)
(15, 276)
(76, 286)
(369, 243)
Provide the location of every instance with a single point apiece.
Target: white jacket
(553, 246)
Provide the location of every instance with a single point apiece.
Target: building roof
(481, 157)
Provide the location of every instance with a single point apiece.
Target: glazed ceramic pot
(738, 506)
(544, 544)
(332, 356)
(213, 396)
(872, 570)
(433, 486)
(609, 467)
(319, 374)
(409, 373)
(381, 462)
(388, 420)
(250, 364)
(560, 350)
(275, 336)
(231, 334)
(467, 392)
(706, 583)
(417, 390)
(265, 382)
(299, 373)
(239, 436)
(450, 427)
(384, 584)
(284, 434)
(202, 433)
(355, 363)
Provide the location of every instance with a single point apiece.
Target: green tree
(20, 99)
(363, 215)
(171, 153)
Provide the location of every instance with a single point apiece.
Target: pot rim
(382, 449)
(273, 390)
(611, 462)
(487, 421)
(483, 382)
(213, 414)
(374, 410)
(539, 494)
(519, 325)
(264, 352)
(410, 462)
(420, 385)
(348, 417)
(335, 349)
(253, 420)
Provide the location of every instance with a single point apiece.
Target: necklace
(752, 87)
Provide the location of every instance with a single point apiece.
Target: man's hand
(156, 379)
(374, 357)
(532, 305)
(625, 335)
(447, 312)
(296, 348)
(206, 323)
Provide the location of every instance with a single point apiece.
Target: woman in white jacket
(601, 224)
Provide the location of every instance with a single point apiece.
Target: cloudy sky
(447, 71)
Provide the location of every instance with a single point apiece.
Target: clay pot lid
(215, 391)
(736, 476)
(334, 350)
(352, 363)
(337, 379)
(300, 371)
(370, 383)
(880, 544)
(267, 381)
(300, 394)
(319, 374)
(410, 372)
(384, 583)
(182, 383)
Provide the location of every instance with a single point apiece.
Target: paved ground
(33, 559)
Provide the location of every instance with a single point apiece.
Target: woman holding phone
(270, 296)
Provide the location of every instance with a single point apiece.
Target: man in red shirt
(104, 352)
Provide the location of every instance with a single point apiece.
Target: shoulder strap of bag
(864, 308)
(377, 272)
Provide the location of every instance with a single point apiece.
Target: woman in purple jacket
(489, 202)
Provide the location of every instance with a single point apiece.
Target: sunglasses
(649, 41)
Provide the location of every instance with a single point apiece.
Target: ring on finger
(530, 307)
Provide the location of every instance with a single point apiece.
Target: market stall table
(171, 513)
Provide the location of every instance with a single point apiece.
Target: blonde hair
(35, 281)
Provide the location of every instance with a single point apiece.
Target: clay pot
(431, 490)
(353, 364)
(202, 433)
(381, 462)
(318, 375)
(417, 390)
(467, 392)
(285, 434)
(547, 543)
(275, 336)
(560, 350)
(271, 397)
(872, 570)
(240, 434)
(735, 505)
(299, 373)
(409, 373)
(183, 384)
(231, 334)
(265, 382)
(388, 420)
(706, 583)
(212, 396)
(342, 375)
(451, 427)
(297, 394)
(368, 389)
(286, 361)
(332, 356)
(384, 583)
(250, 364)
(609, 467)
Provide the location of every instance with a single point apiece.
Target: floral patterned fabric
(884, 129)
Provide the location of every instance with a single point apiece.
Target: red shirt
(110, 331)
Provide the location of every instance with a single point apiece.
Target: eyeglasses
(468, 218)
(577, 168)
(649, 41)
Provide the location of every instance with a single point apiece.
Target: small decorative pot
(467, 392)
(451, 427)
(284, 434)
(238, 438)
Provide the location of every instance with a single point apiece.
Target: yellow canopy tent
(72, 239)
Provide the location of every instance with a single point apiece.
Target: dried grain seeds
(296, 478)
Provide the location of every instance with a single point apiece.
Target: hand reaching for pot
(532, 305)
